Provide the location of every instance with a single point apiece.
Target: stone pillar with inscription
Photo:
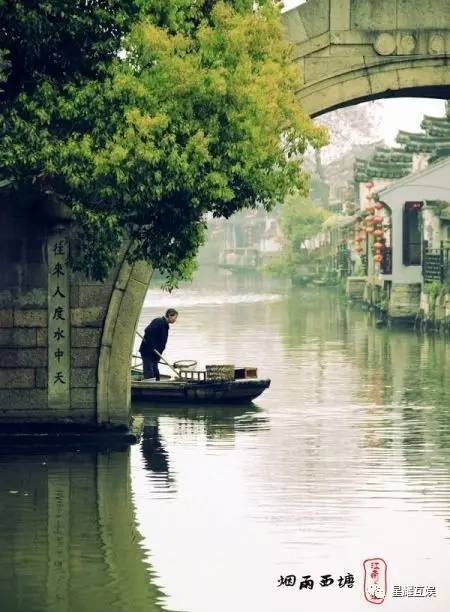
(65, 341)
(58, 322)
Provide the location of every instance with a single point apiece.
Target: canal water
(344, 458)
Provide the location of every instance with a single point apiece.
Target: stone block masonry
(435, 308)
(396, 303)
(42, 304)
(404, 303)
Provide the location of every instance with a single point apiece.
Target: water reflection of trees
(399, 381)
(68, 535)
(393, 366)
(317, 314)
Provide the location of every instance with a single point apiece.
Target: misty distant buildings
(245, 242)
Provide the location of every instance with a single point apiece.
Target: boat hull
(185, 391)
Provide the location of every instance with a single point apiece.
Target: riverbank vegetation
(142, 116)
(301, 219)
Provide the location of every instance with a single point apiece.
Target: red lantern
(378, 233)
(377, 220)
(378, 245)
(378, 205)
(378, 258)
(369, 219)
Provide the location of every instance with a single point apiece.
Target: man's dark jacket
(155, 337)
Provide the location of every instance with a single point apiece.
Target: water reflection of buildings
(68, 535)
(404, 392)
(391, 386)
(392, 365)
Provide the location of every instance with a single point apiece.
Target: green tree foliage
(3, 67)
(300, 219)
(144, 115)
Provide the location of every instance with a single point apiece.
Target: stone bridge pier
(65, 341)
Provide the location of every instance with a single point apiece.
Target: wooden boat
(184, 390)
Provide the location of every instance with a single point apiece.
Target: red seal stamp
(375, 580)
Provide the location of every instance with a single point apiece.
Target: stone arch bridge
(65, 343)
(350, 51)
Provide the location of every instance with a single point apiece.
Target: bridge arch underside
(419, 77)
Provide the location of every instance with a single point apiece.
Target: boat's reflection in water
(217, 421)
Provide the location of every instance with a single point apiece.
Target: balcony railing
(365, 264)
(343, 260)
(386, 262)
(435, 263)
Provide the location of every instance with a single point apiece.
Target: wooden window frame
(408, 208)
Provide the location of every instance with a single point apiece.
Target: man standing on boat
(155, 337)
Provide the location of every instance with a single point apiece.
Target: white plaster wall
(432, 184)
(431, 228)
(270, 245)
(419, 162)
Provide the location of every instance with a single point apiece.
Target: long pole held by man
(155, 339)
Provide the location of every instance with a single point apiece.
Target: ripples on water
(344, 457)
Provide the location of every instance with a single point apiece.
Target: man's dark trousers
(151, 369)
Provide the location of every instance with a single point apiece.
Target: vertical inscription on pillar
(58, 322)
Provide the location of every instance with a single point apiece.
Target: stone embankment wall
(425, 307)
(404, 303)
(434, 312)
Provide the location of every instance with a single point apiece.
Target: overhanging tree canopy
(143, 116)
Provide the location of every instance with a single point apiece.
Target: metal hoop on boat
(185, 364)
